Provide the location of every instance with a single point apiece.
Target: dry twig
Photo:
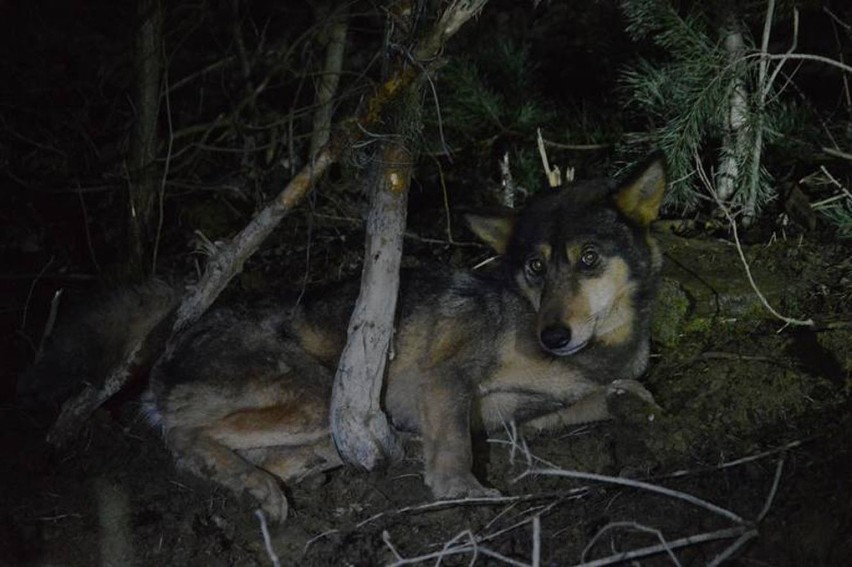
(677, 494)
(702, 174)
(267, 541)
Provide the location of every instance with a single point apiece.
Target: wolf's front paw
(265, 489)
(450, 487)
(629, 401)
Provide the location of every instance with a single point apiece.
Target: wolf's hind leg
(199, 452)
(293, 464)
(279, 438)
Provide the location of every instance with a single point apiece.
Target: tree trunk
(143, 139)
(735, 140)
(764, 87)
(327, 84)
(361, 431)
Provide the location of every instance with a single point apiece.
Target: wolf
(544, 339)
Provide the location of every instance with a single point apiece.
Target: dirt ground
(749, 458)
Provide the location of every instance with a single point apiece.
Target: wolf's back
(93, 339)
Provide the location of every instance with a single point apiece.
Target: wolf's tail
(90, 342)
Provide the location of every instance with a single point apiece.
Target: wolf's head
(583, 257)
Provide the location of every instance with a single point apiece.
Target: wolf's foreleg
(612, 401)
(447, 449)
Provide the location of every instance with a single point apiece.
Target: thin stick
(462, 549)
(89, 244)
(694, 500)
(386, 539)
(635, 526)
(337, 24)
(441, 504)
(626, 556)
(449, 227)
(772, 491)
(837, 20)
(51, 319)
(709, 186)
(577, 147)
(522, 446)
(267, 541)
(318, 537)
(162, 193)
(468, 534)
(526, 521)
(737, 462)
(803, 57)
(835, 181)
(733, 548)
(505, 511)
(536, 541)
(554, 176)
(837, 153)
(825, 202)
(31, 290)
(766, 84)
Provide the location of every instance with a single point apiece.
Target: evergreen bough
(690, 97)
(488, 96)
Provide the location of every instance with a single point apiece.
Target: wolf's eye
(535, 266)
(590, 258)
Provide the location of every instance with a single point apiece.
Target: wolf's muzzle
(555, 337)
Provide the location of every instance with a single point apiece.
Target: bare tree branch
(327, 84)
(143, 179)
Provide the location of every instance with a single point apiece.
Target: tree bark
(143, 185)
(735, 139)
(327, 84)
(764, 86)
(361, 431)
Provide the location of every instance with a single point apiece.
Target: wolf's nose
(555, 337)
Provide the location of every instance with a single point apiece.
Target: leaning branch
(229, 261)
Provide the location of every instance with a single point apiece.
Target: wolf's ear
(639, 197)
(495, 229)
